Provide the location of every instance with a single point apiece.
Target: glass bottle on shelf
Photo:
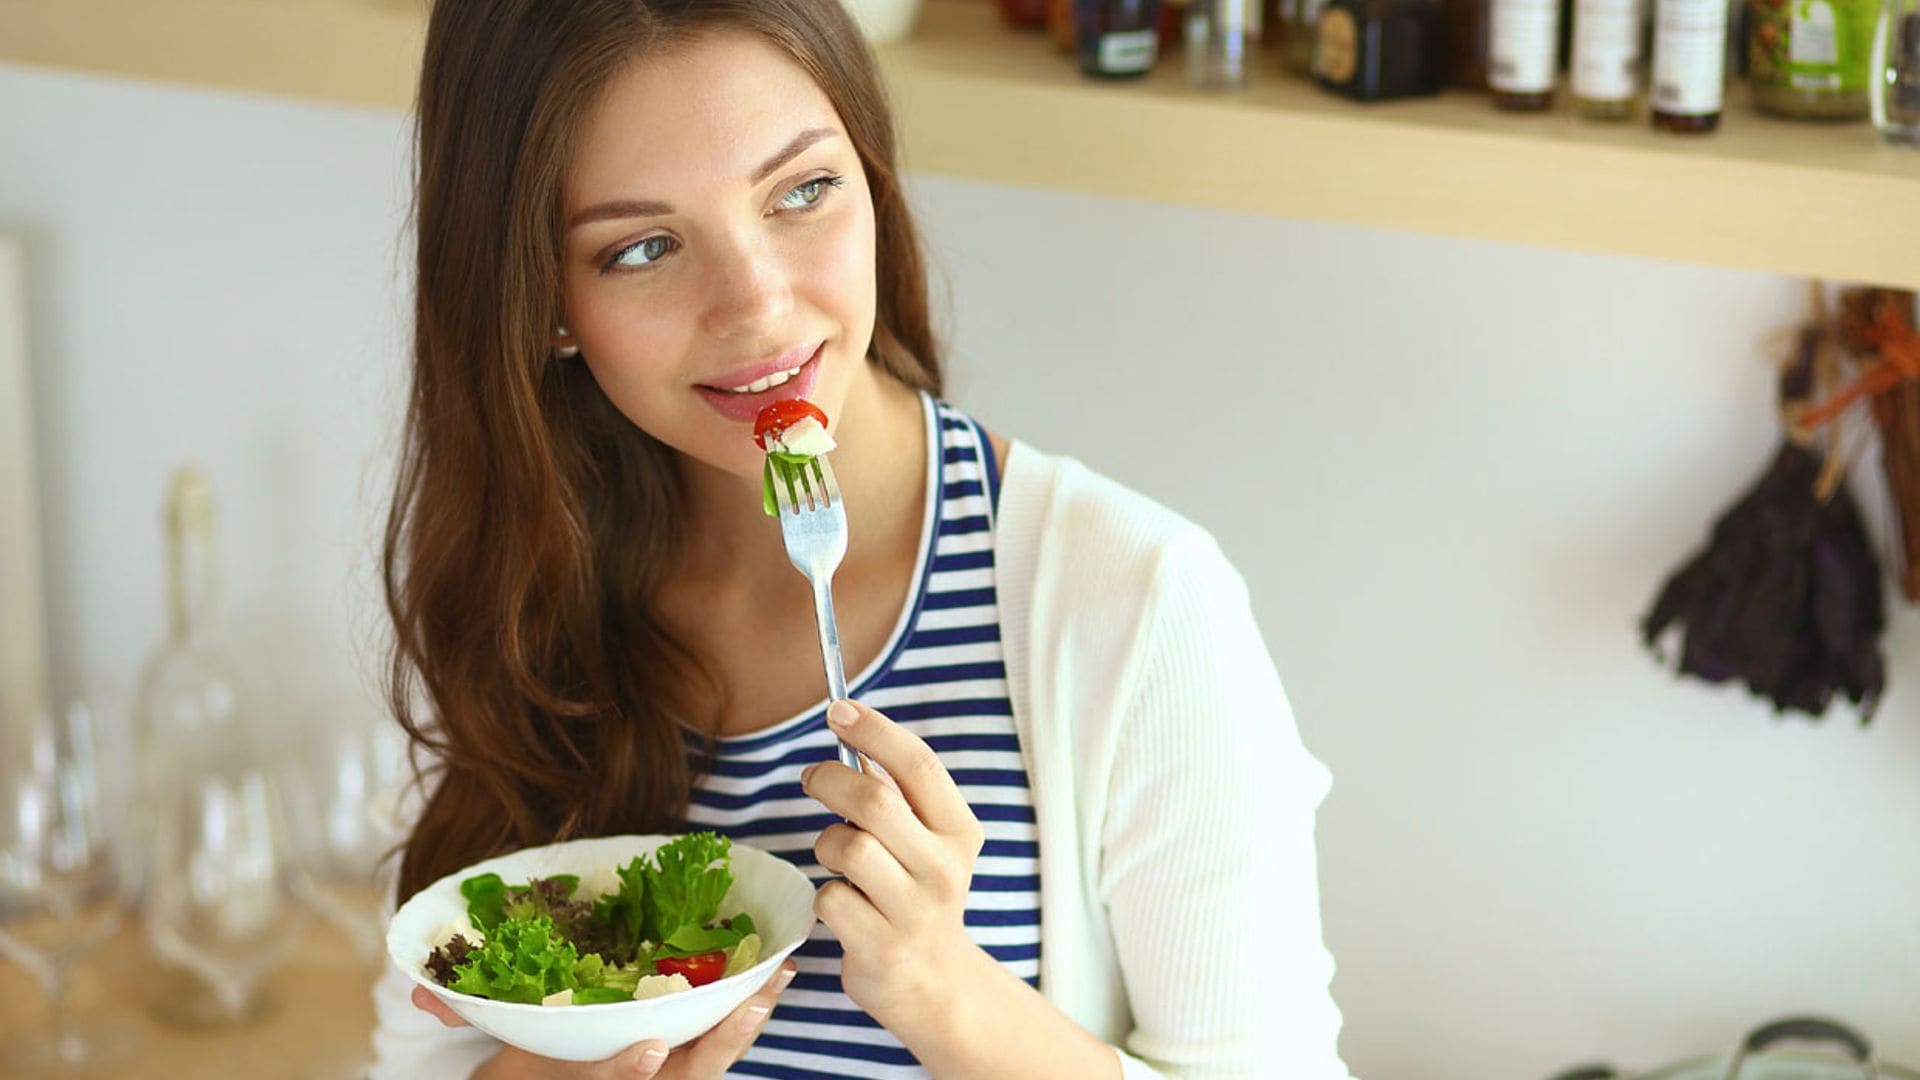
(1220, 35)
(1689, 65)
(1466, 63)
(1894, 85)
(1300, 33)
(1606, 58)
(1808, 58)
(1520, 65)
(1116, 39)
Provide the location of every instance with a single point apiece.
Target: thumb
(426, 1001)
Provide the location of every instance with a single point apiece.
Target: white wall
(1454, 474)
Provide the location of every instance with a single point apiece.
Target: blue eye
(807, 195)
(649, 251)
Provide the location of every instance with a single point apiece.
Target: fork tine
(829, 485)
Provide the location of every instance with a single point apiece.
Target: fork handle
(830, 652)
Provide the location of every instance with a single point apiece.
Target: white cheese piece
(562, 997)
(463, 927)
(807, 437)
(652, 986)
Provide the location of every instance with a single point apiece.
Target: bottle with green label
(1809, 58)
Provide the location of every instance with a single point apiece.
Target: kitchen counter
(316, 1025)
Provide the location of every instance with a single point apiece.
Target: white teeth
(759, 386)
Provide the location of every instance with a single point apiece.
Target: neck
(880, 463)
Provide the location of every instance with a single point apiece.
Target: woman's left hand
(906, 850)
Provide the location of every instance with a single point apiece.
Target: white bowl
(772, 890)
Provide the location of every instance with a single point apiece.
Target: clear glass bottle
(188, 692)
(1606, 58)
(1689, 65)
(1220, 36)
(1894, 72)
(1523, 42)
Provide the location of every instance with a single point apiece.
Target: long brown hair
(531, 522)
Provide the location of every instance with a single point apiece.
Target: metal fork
(813, 523)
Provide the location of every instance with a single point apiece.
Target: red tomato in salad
(699, 970)
(782, 415)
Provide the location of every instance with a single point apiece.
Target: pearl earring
(565, 352)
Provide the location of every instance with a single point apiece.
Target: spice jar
(1894, 94)
(1373, 50)
(1809, 58)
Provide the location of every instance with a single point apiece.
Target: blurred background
(1454, 471)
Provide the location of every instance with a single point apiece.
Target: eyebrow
(632, 208)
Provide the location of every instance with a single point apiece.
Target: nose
(750, 290)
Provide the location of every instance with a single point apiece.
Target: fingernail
(650, 1061)
(806, 774)
(781, 980)
(755, 1014)
(842, 713)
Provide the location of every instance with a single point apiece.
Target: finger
(427, 1001)
(711, 1054)
(914, 766)
(865, 862)
(849, 914)
(639, 1060)
(879, 810)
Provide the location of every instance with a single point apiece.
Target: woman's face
(719, 235)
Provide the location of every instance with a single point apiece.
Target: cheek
(841, 271)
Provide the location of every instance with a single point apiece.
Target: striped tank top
(942, 677)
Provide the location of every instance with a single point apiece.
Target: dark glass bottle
(1374, 50)
(1466, 43)
(1116, 39)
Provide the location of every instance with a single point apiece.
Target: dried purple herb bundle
(1785, 596)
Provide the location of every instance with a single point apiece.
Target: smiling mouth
(762, 384)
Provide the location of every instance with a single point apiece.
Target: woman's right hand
(705, 1058)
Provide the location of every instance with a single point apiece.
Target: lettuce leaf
(522, 960)
(685, 885)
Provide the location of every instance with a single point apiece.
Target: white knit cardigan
(1179, 905)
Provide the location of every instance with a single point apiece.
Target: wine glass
(342, 875)
(63, 891)
(220, 899)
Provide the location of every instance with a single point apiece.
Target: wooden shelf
(978, 101)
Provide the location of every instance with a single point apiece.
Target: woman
(641, 221)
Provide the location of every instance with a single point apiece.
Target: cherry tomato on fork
(699, 970)
(782, 415)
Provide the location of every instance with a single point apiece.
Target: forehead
(709, 111)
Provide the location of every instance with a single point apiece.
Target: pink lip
(743, 408)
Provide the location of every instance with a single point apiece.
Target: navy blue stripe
(1012, 849)
(1006, 954)
(749, 1067)
(990, 777)
(958, 455)
(943, 673)
(844, 1051)
(1000, 883)
(716, 800)
(955, 635)
(963, 560)
(992, 812)
(960, 489)
(1002, 918)
(773, 826)
(944, 743)
(950, 419)
(976, 523)
(992, 466)
(959, 598)
(940, 710)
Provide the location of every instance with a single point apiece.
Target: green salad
(658, 932)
